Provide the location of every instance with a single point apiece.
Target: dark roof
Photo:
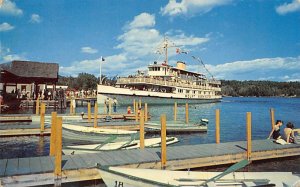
(31, 69)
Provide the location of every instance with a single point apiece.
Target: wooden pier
(39, 170)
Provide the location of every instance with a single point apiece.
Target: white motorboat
(117, 176)
(99, 130)
(95, 148)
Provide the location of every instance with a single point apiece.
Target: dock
(39, 170)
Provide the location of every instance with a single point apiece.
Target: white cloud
(6, 27)
(7, 56)
(143, 20)
(288, 7)
(259, 69)
(35, 18)
(111, 63)
(89, 50)
(191, 7)
(137, 46)
(9, 8)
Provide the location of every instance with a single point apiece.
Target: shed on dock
(27, 75)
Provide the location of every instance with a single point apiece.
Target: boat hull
(149, 177)
(126, 97)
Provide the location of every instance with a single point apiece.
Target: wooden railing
(145, 80)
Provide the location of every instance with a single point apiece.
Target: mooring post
(134, 109)
(37, 106)
(96, 115)
(142, 130)
(146, 112)
(89, 111)
(186, 113)
(249, 139)
(217, 126)
(71, 107)
(42, 118)
(53, 133)
(272, 115)
(58, 147)
(175, 111)
(136, 112)
(163, 120)
(140, 103)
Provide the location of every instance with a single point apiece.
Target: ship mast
(166, 49)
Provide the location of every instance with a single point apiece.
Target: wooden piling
(146, 112)
(95, 115)
(42, 117)
(140, 103)
(186, 113)
(134, 109)
(53, 133)
(89, 112)
(37, 106)
(58, 147)
(217, 126)
(136, 112)
(163, 120)
(249, 138)
(175, 111)
(142, 130)
(71, 107)
(272, 115)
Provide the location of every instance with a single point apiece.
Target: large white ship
(162, 84)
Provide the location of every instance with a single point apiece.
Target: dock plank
(79, 161)
(2, 167)
(23, 167)
(35, 165)
(68, 163)
(92, 159)
(12, 167)
(47, 164)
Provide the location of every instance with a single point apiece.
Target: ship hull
(126, 97)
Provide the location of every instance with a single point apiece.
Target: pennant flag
(102, 59)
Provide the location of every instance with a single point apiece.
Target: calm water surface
(233, 128)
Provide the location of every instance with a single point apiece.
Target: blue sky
(236, 39)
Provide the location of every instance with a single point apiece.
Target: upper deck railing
(181, 83)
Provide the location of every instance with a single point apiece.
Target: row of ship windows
(194, 92)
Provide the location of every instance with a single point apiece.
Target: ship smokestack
(181, 65)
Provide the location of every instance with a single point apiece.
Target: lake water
(233, 128)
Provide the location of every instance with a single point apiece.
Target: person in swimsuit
(275, 133)
(289, 133)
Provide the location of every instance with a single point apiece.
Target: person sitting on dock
(289, 135)
(275, 133)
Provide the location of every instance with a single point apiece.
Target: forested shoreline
(260, 88)
(233, 88)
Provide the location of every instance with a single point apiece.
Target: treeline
(260, 88)
(88, 81)
(84, 81)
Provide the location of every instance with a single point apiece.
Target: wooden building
(27, 75)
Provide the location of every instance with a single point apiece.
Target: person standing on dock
(115, 102)
(106, 103)
(275, 133)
